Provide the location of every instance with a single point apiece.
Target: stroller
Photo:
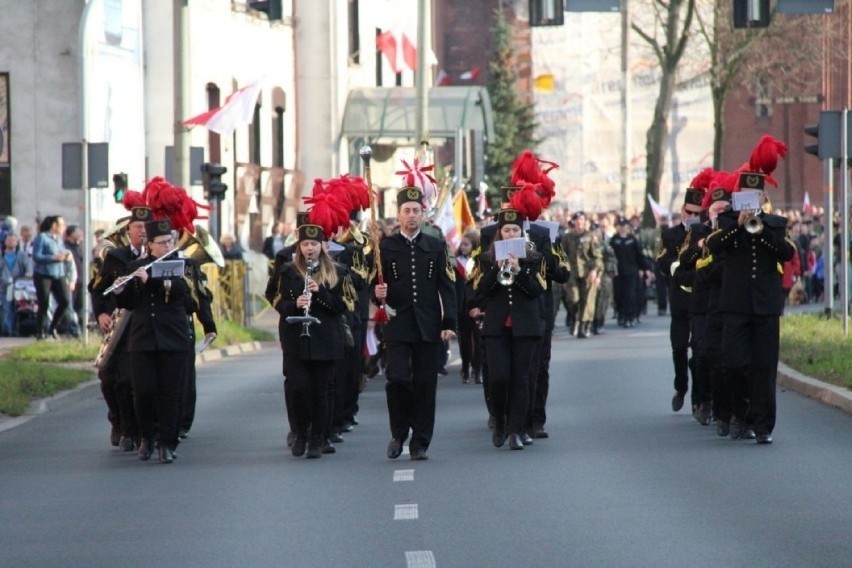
(25, 306)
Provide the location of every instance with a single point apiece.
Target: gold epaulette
(780, 268)
(703, 262)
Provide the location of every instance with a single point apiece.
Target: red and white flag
(443, 79)
(806, 204)
(470, 75)
(398, 40)
(238, 110)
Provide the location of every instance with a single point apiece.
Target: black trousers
(511, 361)
(156, 389)
(679, 337)
(719, 384)
(751, 343)
(469, 339)
(306, 393)
(412, 373)
(702, 386)
(540, 383)
(45, 287)
(355, 363)
(625, 289)
(188, 394)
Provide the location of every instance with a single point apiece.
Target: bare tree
(667, 39)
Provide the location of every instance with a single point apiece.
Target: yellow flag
(462, 213)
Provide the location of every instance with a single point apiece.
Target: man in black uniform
(420, 287)
(631, 265)
(755, 246)
(116, 376)
(672, 239)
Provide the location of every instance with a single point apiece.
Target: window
(354, 37)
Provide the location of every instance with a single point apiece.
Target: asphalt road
(622, 481)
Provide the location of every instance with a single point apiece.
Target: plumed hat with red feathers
(528, 169)
(329, 210)
(698, 187)
(762, 162)
(165, 201)
(722, 185)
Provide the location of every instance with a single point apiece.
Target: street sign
(72, 165)
(99, 165)
(196, 158)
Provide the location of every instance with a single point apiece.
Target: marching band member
(419, 286)
(116, 375)
(511, 329)
(159, 337)
(312, 285)
(756, 244)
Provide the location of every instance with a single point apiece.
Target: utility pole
(180, 62)
(88, 245)
(424, 47)
(626, 147)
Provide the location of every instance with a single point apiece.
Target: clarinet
(307, 319)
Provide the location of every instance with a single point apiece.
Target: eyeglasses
(163, 243)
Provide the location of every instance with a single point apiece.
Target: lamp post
(84, 155)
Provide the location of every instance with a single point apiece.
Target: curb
(84, 391)
(825, 393)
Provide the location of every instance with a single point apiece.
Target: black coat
(114, 265)
(628, 254)
(159, 323)
(327, 304)
(672, 239)
(421, 288)
(521, 300)
(751, 280)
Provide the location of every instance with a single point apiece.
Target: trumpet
(506, 277)
(307, 319)
(122, 280)
(753, 224)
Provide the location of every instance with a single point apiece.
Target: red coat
(792, 272)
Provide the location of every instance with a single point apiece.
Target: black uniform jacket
(691, 274)
(751, 281)
(114, 265)
(520, 300)
(629, 254)
(162, 323)
(672, 239)
(421, 288)
(327, 304)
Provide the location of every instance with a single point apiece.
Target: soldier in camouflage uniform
(604, 294)
(582, 247)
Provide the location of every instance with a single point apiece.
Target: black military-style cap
(158, 228)
(141, 213)
(309, 232)
(693, 197)
(409, 193)
(751, 180)
(510, 217)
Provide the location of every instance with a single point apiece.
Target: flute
(122, 280)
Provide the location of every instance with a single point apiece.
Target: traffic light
(213, 186)
(812, 130)
(119, 186)
(751, 13)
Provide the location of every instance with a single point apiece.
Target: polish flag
(470, 75)
(443, 79)
(238, 110)
(806, 204)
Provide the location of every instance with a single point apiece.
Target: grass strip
(815, 346)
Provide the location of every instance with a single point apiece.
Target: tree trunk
(718, 126)
(655, 144)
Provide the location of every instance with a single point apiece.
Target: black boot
(315, 448)
(498, 434)
(298, 447)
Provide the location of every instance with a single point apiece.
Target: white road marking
(406, 512)
(419, 559)
(403, 475)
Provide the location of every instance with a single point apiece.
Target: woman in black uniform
(511, 328)
(312, 285)
(159, 337)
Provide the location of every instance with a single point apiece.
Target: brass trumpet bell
(506, 277)
(114, 237)
(753, 224)
(353, 233)
(200, 247)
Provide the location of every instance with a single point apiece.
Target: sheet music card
(517, 247)
(745, 200)
(167, 269)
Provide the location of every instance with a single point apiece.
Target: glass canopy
(387, 114)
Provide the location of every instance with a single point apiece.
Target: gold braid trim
(704, 262)
(451, 272)
(541, 276)
(349, 294)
